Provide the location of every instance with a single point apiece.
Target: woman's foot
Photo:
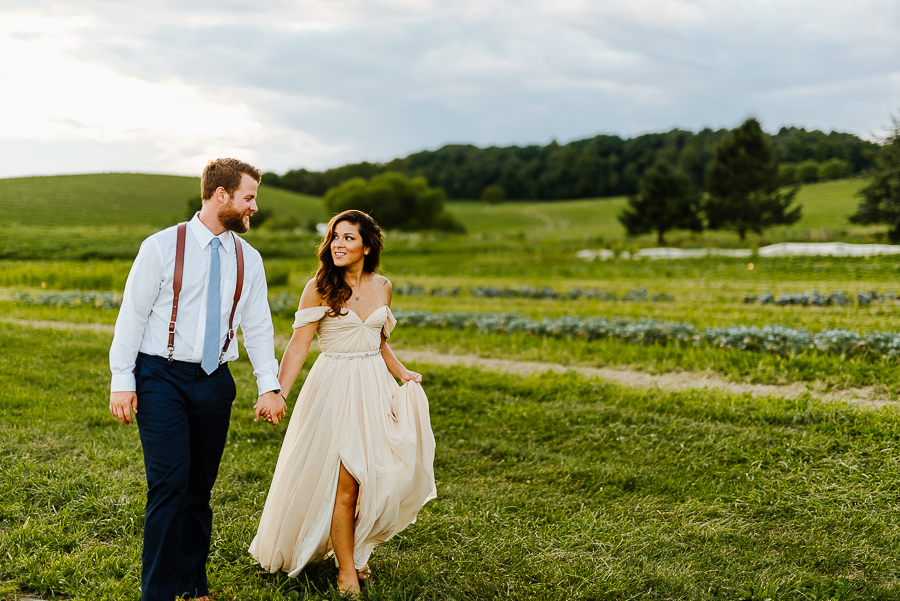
(348, 586)
(364, 573)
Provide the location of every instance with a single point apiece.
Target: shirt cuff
(122, 383)
(267, 384)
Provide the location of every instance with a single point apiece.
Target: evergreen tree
(744, 185)
(668, 200)
(881, 198)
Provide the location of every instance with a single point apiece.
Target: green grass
(550, 487)
(710, 301)
(123, 199)
(826, 206)
(720, 277)
(823, 372)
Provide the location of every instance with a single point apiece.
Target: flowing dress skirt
(352, 412)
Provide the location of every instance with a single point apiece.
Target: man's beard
(231, 219)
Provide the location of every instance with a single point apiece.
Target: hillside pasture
(123, 199)
(826, 207)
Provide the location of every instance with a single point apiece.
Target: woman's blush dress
(351, 411)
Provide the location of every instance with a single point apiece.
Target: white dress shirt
(143, 321)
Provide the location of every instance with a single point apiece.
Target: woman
(357, 460)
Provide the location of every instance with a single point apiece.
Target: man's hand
(271, 406)
(121, 404)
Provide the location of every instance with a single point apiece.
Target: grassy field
(117, 199)
(550, 487)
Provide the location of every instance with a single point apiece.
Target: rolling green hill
(114, 199)
(826, 206)
(105, 216)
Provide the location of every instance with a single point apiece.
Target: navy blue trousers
(183, 417)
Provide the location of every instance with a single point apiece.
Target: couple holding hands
(357, 460)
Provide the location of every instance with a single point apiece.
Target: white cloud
(317, 83)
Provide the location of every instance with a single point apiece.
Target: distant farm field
(106, 199)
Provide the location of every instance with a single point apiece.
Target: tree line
(747, 191)
(595, 167)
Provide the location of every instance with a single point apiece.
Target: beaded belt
(352, 356)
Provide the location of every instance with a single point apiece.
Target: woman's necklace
(356, 294)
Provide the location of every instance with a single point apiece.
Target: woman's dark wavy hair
(330, 282)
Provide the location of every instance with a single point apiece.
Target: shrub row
(863, 299)
(639, 294)
(72, 298)
(766, 339)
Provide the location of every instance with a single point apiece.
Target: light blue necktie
(211, 341)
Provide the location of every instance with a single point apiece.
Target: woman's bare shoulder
(310, 296)
(385, 285)
(383, 282)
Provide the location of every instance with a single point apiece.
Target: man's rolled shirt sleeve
(256, 325)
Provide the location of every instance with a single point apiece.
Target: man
(181, 383)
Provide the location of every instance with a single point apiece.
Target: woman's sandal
(346, 592)
(364, 573)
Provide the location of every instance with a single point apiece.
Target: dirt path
(549, 223)
(627, 377)
(630, 377)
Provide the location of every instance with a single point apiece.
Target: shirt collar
(204, 236)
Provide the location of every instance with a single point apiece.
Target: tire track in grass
(671, 381)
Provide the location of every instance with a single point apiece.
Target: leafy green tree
(493, 194)
(833, 169)
(668, 200)
(787, 173)
(744, 185)
(881, 198)
(394, 200)
(270, 178)
(807, 172)
(282, 223)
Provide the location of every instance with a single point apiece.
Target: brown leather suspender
(176, 288)
(176, 285)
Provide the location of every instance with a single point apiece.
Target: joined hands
(270, 406)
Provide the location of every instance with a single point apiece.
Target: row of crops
(764, 339)
(815, 298)
(542, 293)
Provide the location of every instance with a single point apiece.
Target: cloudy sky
(162, 85)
